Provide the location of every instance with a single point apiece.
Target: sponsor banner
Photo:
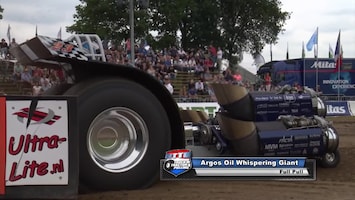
(179, 164)
(338, 108)
(292, 142)
(36, 147)
(269, 107)
(334, 108)
(33, 137)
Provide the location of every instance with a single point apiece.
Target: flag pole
(316, 87)
(304, 65)
(338, 64)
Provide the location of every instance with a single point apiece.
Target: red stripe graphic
(2, 144)
(37, 116)
(41, 114)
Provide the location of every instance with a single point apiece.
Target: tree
(248, 25)
(236, 26)
(107, 18)
(1, 11)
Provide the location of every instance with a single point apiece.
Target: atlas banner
(39, 147)
(181, 165)
(338, 108)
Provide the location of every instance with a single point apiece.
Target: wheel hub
(117, 139)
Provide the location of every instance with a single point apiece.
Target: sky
(330, 16)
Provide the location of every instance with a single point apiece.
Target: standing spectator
(13, 43)
(318, 90)
(267, 80)
(238, 77)
(213, 53)
(219, 58)
(3, 48)
(168, 85)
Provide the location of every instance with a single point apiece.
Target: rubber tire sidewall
(98, 95)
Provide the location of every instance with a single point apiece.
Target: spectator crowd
(204, 63)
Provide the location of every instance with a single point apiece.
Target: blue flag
(313, 40)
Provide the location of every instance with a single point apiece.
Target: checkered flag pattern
(61, 48)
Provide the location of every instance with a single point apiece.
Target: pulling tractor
(126, 119)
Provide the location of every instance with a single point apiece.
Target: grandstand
(182, 79)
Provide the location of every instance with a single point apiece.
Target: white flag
(8, 33)
(59, 35)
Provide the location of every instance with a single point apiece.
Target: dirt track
(337, 183)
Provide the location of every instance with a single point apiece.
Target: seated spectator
(191, 62)
(150, 69)
(207, 76)
(36, 74)
(183, 93)
(26, 76)
(171, 72)
(18, 69)
(168, 85)
(200, 88)
(46, 85)
(199, 69)
(36, 89)
(208, 63)
(228, 76)
(191, 90)
(2, 92)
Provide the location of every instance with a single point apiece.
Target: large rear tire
(124, 132)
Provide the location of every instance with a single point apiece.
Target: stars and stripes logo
(177, 161)
(38, 116)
